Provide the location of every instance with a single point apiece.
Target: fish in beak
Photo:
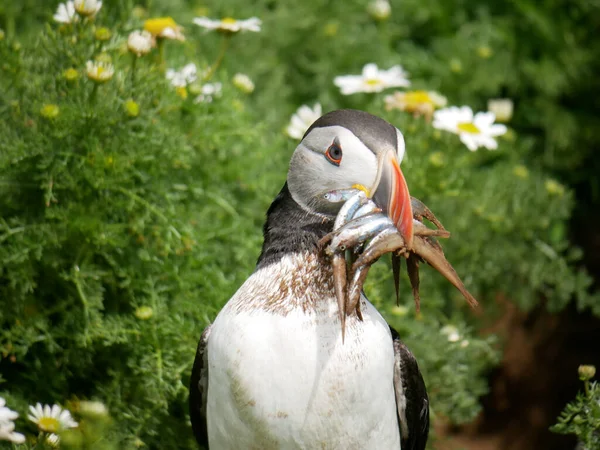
(391, 195)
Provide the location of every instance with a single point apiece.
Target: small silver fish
(340, 195)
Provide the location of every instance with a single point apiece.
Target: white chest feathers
(280, 376)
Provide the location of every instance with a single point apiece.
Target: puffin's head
(352, 149)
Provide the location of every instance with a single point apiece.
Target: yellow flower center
(468, 127)
(228, 21)
(372, 81)
(49, 424)
(417, 97)
(158, 25)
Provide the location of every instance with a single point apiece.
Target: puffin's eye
(334, 153)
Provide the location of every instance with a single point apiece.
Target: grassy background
(105, 215)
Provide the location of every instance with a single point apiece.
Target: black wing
(199, 390)
(411, 397)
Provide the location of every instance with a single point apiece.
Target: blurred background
(132, 199)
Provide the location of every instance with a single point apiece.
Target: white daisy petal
(488, 142)
(474, 131)
(497, 129)
(371, 80)
(370, 71)
(99, 72)
(484, 119)
(469, 140)
(7, 433)
(181, 78)
(465, 114)
(140, 42)
(65, 13)
(6, 414)
(51, 419)
(302, 120)
(87, 8)
(53, 440)
(208, 92)
(229, 25)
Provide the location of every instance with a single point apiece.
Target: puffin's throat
(290, 229)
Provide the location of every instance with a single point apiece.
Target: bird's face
(352, 149)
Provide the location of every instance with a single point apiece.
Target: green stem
(83, 298)
(133, 67)
(160, 43)
(93, 94)
(220, 56)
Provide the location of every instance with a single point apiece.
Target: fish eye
(334, 153)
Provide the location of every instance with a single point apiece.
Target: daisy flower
(475, 131)
(164, 27)
(87, 8)
(372, 80)
(99, 71)
(209, 90)
(8, 433)
(302, 119)
(502, 108)
(243, 83)
(51, 419)
(53, 440)
(229, 25)
(7, 425)
(180, 79)
(416, 102)
(140, 42)
(66, 13)
(6, 414)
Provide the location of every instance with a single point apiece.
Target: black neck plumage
(290, 229)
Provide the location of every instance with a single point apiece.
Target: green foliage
(129, 215)
(581, 417)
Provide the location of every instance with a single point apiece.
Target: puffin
(272, 370)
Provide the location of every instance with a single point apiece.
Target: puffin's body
(273, 372)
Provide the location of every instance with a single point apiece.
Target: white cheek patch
(311, 174)
(401, 148)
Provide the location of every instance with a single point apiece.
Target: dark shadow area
(536, 379)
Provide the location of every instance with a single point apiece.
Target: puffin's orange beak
(391, 195)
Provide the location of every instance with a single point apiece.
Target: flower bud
(243, 83)
(70, 74)
(132, 108)
(379, 9)
(50, 111)
(102, 34)
(144, 312)
(586, 372)
(502, 108)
